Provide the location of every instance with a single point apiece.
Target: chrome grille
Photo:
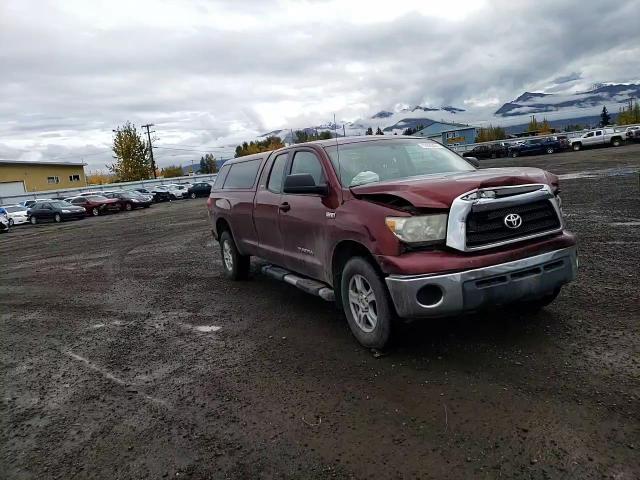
(487, 226)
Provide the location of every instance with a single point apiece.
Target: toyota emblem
(513, 220)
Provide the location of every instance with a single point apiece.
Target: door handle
(284, 207)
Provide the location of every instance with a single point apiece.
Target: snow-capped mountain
(537, 102)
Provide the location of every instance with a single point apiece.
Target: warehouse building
(450, 134)
(18, 177)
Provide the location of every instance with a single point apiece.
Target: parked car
(29, 203)
(534, 147)
(54, 210)
(127, 201)
(16, 214)
(597, 137)
(161, 193)
(632, 133)
(494, 150)
(4, 221)
(395, 226)
(177, 191)
(201, 189)
(563, 141)
(95, 204)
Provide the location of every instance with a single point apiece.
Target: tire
(172, 197)
(514, 154)
(550, 150)
(576, 146)
(128, 207)
(493, 155)
(10, 222)
(33, 220)
(234, 265)
(57, 218)
(193, 195)
(366, 303)
(95, 211)
(616, 142)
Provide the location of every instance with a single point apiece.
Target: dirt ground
(126, 354)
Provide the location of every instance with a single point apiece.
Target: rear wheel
(193, 195)
(514, 154)
(11, 222)
(616, 142)
(33, 220)
(57, 218)
(493, 155)
(366, 303)
(577, 146)
(95, 211)
(128, 207)
(550, 150)
(235, 265)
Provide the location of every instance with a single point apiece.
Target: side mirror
(473, 161)
(303, 183)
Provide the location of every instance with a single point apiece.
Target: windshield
(61, 204)
(96, 198)
(377, 161)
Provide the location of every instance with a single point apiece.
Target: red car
(95, 204)
(394, 227)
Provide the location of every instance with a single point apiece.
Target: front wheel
(11, 222)
(193, 195)
(577, 147)
(514, 154)
(366, 303)
(616, 142)
(128, 207)
(550, 150)
(33, 220)
(57, 218)
(95, 211)
(236, 265)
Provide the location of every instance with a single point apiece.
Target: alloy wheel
(227, 255)
(362, 301)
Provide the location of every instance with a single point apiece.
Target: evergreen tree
(131, 154)
(379, 132)
(605, 118)
(208, 164)
(369, 131)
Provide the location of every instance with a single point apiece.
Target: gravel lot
(125, 354)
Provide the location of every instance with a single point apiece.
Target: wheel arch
(342, 252)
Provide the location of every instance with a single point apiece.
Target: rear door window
(242, 175)
(277, 171)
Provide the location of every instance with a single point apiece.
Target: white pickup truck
(600, 136)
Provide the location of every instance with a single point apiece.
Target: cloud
(215, 73)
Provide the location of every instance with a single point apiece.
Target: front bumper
(416, 296)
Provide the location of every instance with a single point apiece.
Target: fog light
(429, 295)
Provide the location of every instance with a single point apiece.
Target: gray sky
(211, 73)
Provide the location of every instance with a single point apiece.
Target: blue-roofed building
(450, 134)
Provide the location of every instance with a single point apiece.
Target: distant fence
(70, 192)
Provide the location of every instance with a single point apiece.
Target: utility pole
(153, 163)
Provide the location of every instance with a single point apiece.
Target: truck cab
(393, 228)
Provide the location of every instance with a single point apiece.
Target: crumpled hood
(438, 191)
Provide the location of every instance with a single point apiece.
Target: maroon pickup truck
(394, 227)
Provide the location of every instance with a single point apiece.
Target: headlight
(419, 229)
(66, 211)
(135, 200)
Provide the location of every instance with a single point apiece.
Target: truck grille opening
(488, 226)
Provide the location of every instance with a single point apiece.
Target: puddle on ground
(206, 328)
(607, 172)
